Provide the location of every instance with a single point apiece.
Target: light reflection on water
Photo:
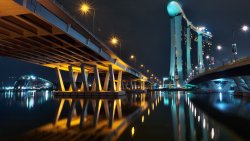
(27, 99)
(163, 116)
(178, 118)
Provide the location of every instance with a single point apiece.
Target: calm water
(173, 116)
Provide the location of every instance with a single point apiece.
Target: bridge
(43, 33)
(237, 71)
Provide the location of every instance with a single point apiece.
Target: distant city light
(245, 28)
(207, 57)
(202, 28)
(219, 47)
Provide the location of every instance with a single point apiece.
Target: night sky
(143, 27)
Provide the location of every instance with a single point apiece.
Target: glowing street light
(132, 57)
(85, 8)
(147, 71)
(114, 41)
(219, 47)
(142, 65)
(245, 28)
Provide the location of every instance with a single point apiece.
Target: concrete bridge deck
(43, 33)
(238, 68)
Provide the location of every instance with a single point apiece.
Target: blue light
(174, 8)
(166, 101)
(220, 88)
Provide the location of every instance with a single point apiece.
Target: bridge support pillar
(97, 79)
(112, 78)
(241, 84)
(131, 85)
(62, 101)
(84, 78)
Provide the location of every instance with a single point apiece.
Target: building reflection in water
(125, 118)
(27, 99)
(188, 122)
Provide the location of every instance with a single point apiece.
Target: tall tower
(176, 67)
(181, 41)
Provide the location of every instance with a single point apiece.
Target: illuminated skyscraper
(183, 34)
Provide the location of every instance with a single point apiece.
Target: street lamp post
(85, 8)
(133, 58)
(115, 41)
(244, 28)
(143, 67)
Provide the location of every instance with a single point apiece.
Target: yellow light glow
(142, 65)
(132, 131)
(147, 70)
(132, 56)
(114, 41)
(148, 111)
(85, 8)
(142, 119)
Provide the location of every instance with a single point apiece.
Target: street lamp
(219, 47)
(244, 28)
(115, 41)
(132, 57)
(85, 9)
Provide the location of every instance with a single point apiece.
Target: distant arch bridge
(235, 70)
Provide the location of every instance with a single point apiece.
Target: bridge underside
(232, 72)
(41, 33)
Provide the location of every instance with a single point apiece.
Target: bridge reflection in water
(162, 116)
(94, 118)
